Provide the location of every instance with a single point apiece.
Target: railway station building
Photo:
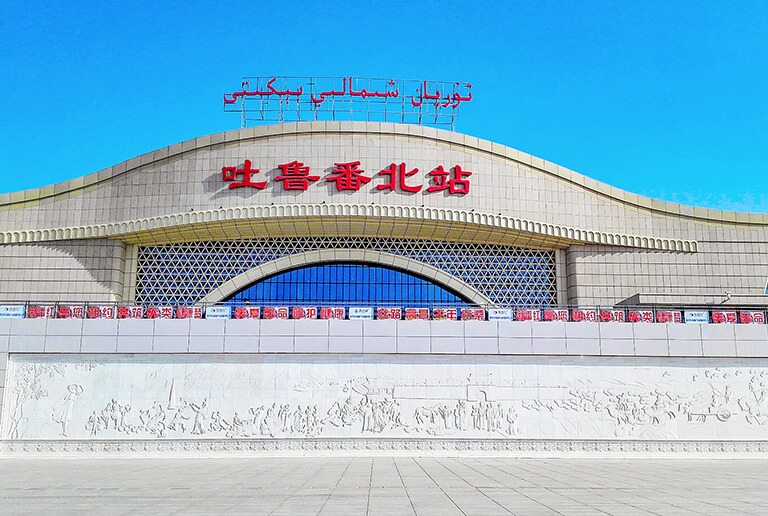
(375, 286)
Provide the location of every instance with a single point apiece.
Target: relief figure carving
(63, 414)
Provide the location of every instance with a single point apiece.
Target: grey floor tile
(387, 486)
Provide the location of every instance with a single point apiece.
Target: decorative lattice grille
(178, 274)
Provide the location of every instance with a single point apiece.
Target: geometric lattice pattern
(180, 274)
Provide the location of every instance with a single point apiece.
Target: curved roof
(516, 198)
(25, 198)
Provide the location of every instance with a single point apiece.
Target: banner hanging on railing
(554, 315)
(12, 311)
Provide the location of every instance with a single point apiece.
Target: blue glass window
(347, 284)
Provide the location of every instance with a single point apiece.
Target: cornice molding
(561, 236)
(368, 447)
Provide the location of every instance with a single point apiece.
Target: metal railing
(244, 310)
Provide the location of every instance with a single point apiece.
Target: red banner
(751, 317)
(584, 315)
(472, 314)
(41, 312)
(528, 315)
(275, 312)
(443, 314)
(389, 313)
(247, 312)
(333, 312)
(304, 312)
(417, 313)
(669, 316)
(189, 312)
(721, 317)
(640, 316)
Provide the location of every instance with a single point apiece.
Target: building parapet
(714, 313)
(382, 337)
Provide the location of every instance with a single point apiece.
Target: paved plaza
(391, 486)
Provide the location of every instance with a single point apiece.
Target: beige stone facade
(77, 241)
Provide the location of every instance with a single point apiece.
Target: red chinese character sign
(612, 316)
(275, 312)
(189, 312)
(442, 314)
(233, 173)
(397, 175)
(247, 312)
(335, 312)
(669, 316)
(752, 317)
(579, 315)
(100, 312)
(389, 313)
(130, 312)
(41, 312)
(304, 312)
(720, 317)
(472, 314)
(455, 185)
(640, 316)
(295, 99)
(556, 315)
(70, 312)
(528, 315)
(416, 313)
(348, 176)
(295, 176)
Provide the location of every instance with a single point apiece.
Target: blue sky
(665, 99)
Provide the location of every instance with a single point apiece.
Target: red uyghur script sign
(287, 99)
(446, 99)
(349, 176)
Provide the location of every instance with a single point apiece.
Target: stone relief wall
(107, 397)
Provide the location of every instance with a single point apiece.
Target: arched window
(347, 284)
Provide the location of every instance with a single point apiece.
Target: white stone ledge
(385, 447)
(372, 337)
